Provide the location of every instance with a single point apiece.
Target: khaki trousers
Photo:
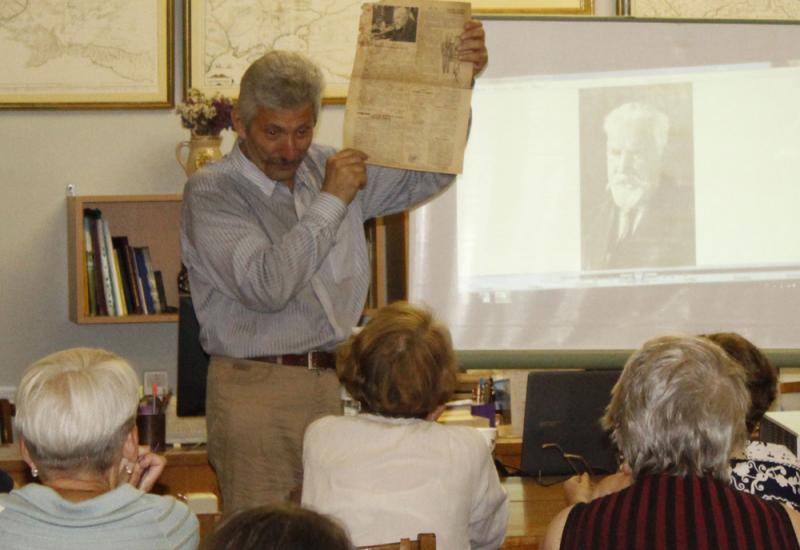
(256, 414)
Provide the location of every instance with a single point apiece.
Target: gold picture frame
(218, 47)
(71, 57)
(708, 10)
(533, 7)
(222, 38)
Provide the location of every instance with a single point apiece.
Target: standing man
(272, 236)
(646, 220)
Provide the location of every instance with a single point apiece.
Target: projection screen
(527, 250)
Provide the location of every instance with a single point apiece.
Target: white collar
(255, 175)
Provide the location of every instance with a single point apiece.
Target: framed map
(716, 9)
(92, 54)
(223, 37)
(533, 7)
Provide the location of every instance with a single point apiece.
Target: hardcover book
(144, 279)
(90, 304)
(152, 280)
(100, 289)
(119, 283)
(127, 268)
(162, 293)
(107, 251)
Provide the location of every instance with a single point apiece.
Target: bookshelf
(388, 251)
(154, 221)
(147, 220)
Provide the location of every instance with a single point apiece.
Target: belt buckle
(310, 364)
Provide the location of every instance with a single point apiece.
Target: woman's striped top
(666, 512)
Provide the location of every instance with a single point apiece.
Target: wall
(102, 152)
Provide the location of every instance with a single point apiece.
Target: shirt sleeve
(489, 517)
(390, 190)
(238, 257)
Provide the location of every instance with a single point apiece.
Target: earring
(129, 469)
(34, 471)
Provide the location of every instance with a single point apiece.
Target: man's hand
(345, 174)
(473, 46)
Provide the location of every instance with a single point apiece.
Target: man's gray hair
(679, 408)
(280, 80)
(633, 112)
(75, 408)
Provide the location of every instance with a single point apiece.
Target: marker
(155, 398)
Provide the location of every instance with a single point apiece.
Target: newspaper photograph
(408, 105)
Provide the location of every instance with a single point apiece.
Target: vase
(198, 151)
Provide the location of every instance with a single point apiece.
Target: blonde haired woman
(76, 412)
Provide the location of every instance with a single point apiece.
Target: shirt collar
(254, 174)
(371, 417)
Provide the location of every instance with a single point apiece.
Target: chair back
(424, 541)
(6, 412)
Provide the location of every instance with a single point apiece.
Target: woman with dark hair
(392, 472)
(279, 527)
(764, 469)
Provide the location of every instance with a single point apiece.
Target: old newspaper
(409, 100)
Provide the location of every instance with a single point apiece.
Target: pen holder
(486, 410)
(152, 430)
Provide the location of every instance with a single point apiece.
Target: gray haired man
(272, 236)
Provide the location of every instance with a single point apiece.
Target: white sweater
(392, 478)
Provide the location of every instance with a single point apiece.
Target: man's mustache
(283, 162)
(627, 181)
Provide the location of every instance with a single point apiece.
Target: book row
(120, 278)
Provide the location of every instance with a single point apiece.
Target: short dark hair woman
(392, 472)
(768, 470)
(279, 527)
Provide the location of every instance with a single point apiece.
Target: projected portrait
(394, 23)
(637, 192)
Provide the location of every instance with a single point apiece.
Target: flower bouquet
(205, 116)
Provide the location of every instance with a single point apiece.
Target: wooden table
(508, 451)
(531, 506)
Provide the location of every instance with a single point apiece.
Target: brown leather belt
(310, 360)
